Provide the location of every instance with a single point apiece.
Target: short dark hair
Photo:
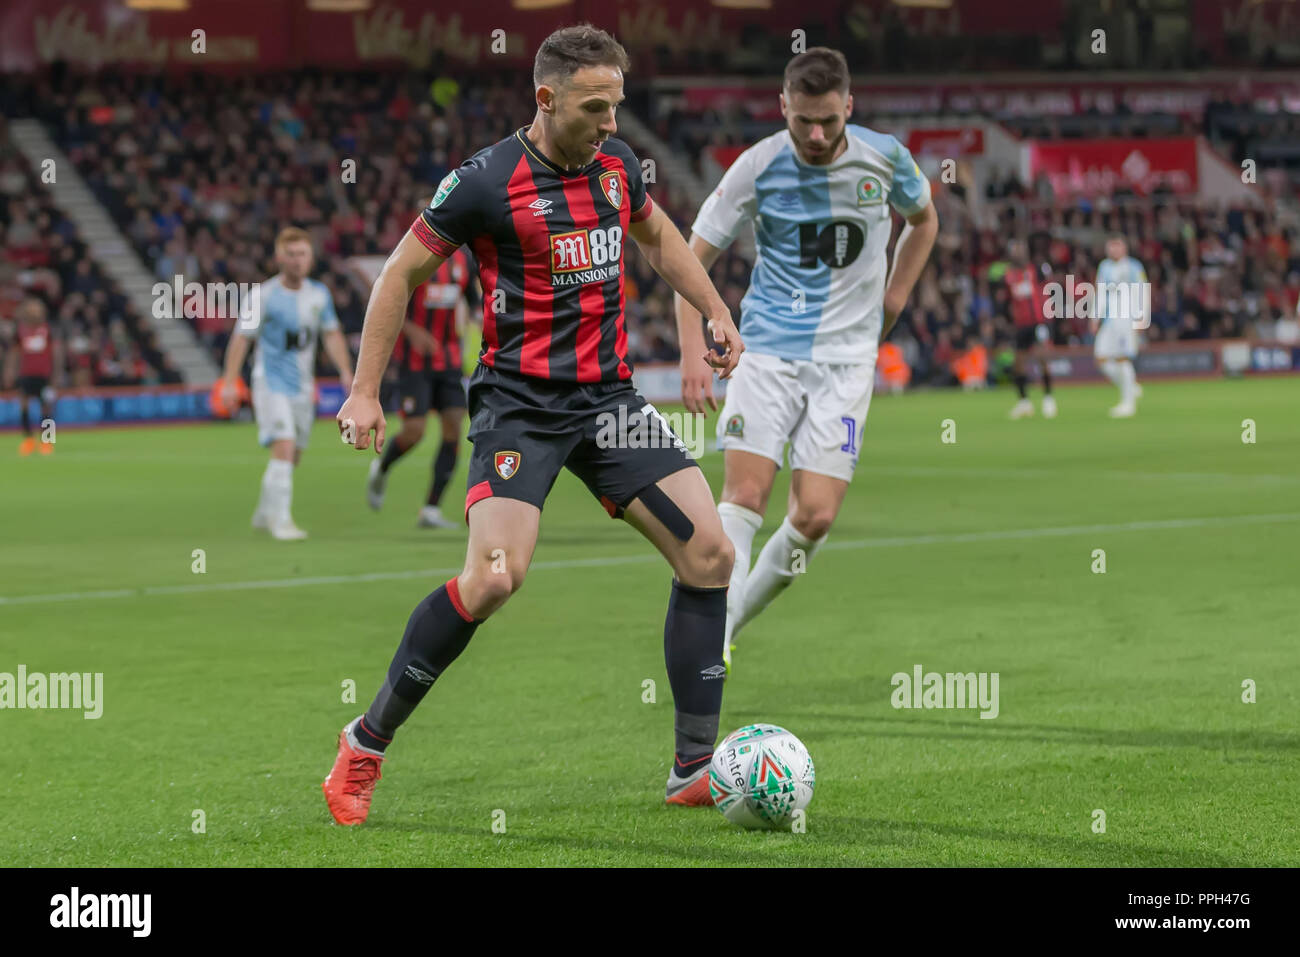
(816, 71)
(569, 49)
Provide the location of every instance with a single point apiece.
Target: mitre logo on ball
(507, 464)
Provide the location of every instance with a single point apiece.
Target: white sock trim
(740, 513)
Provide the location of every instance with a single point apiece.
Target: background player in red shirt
(430, 368)
(37, 357)
(1025, 300)
(546, 213)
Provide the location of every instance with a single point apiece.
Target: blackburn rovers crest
(612, 186)
(507, 464)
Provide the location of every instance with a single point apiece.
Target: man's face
(816, 123)
(294, 259)
(582, 110)
(1116, 249)
(31, 312)
(1018, 252)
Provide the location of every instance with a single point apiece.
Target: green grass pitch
(1120, 692)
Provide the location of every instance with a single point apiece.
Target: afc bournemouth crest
(736, 426)
(507, 464)
(612, 187)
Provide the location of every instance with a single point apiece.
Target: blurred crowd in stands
(42, 256)
(201, 172)
(1214, 272)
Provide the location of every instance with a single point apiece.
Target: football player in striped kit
(820, 299)
(37, 356)
(429, 363)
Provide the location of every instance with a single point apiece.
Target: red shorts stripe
(479, 492)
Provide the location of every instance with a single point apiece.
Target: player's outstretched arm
(697, 377)
(410, 264)
(910, 255)
(671, 258)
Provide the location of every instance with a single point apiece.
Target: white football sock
(1127, 383)
(785, 555)
(741, 525)
(277, 491)
(1110, 369)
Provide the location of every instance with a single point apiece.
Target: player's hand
(725, 334)
(361, 414)
(422, 340)
(229, 395)
(697, 385)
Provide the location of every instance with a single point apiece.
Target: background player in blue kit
(296, 312)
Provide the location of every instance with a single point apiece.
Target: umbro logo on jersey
(713, 671)
(543, 206)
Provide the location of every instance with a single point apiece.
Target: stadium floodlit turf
(1120, 692)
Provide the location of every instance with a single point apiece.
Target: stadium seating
(41, 255)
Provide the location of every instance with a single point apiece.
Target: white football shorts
(818, 408)
(1116, 339)
(282, 416)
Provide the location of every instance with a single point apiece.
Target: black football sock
(1047, 380)
(26, 417)
(1022, 381)
(436, 634)
(693, 632)
(392, 452)
(444, 466)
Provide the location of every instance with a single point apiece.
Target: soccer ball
(760, 776)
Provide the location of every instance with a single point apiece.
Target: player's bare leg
(814, 503)
(444, 467)
(502, 537)
(274, 506)
(405, 440)
(745, 492)
(677, 514)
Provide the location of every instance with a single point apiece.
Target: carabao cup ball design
(760, 776)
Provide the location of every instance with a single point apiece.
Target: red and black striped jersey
(35, 350)
(549, 245)
(1026, 293)
(433, 309)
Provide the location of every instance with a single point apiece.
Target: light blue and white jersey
(818, 285)
(1111, 275)
(288, 326)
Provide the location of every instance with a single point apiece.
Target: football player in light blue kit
(820, 299)
(1122, 306)
(294, 314)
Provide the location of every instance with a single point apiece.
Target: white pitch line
(648, 556)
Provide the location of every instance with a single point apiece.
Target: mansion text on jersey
(599, 274)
